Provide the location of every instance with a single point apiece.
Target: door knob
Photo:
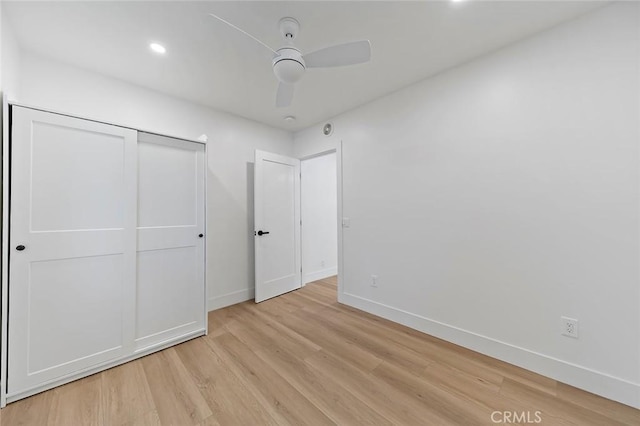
(263, 232)
(20, 247)
(200, 235)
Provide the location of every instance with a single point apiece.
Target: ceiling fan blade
(352, 53)
(284, 95)
(243, 32)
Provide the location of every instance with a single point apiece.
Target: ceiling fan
(289, 64)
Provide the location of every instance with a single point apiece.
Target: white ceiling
(210, 64)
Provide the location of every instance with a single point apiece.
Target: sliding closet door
(171, 225)
(72, 259)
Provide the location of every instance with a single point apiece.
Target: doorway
(295, 248)
(319, 207)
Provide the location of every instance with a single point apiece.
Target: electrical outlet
(322, 263)
(374, 281)
(569, 327)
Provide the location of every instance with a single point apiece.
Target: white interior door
(72, 258)
(277, 224)
(170, 298)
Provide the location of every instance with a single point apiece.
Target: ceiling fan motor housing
(288, 66)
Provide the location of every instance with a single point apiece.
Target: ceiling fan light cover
(288, 70)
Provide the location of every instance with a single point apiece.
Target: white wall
(9, 57)
(232, 141)
(319, 200)
(312, 141)
(495, 197)
(2, 18)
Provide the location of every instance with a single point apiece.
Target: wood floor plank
(273, 333)
(229, 399)
(176, 397)
(77, 403)
(219, 319)
(382, 348)
(554, 406)
(518, 374)
(312, 298)
(598, 404)
(385, 399)
(325, 284)
(466, 364)
(126, 396)
(29, 411)
(333, 279)
(333, 399)
(485, 395)
(416, 344)
(256, 399)
(325, 293)
(290, 404)
(308, 303)
(485, 368)
(455, 407)
(493, 401)
(289, 304)
(279, 326)
(150, 418)
(209, 421)
(314, 329)
(302, 358)
(464, 381)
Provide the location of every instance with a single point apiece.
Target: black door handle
(20, 247)
(261, 233)
(200, 235)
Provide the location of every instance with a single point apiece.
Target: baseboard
(318, 275)
(230, 299)
(596, 382)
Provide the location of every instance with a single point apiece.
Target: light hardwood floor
(304, 359)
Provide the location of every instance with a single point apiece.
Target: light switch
(346, 222)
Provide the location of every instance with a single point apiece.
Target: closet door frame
(4, 288)
(7, 105)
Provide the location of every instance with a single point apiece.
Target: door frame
(5, 251)
(337, 149)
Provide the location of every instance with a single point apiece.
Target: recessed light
(158, 48)
(290, 119)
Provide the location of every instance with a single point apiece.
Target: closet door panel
(65, 245)
(77, 184)
(167, 182)
(170, 260)
(86, 288)
(169, 294)
(72, 259)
